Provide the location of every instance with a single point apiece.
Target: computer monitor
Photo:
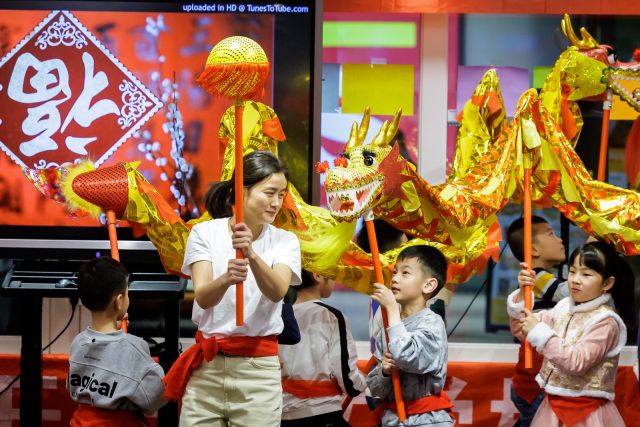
(115, 81)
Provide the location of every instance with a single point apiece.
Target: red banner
(67, 97)
(481, 396)
(479, 391)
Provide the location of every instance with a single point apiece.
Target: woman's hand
(241, 238)
(237, 270)
(528, 321)
(388, 365)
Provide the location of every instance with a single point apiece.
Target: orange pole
(528, 303)
(604, 135)
(113, 236)
(239, 202)
(377, 268)
(113, 244)
(371, 363)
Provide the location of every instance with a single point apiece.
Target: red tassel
(340, 161)
(239, 80)
(322, 167)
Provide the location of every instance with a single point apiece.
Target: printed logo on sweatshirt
(92, 384)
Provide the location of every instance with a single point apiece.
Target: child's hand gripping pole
(373, 243)
(239, 201)
(528, 303)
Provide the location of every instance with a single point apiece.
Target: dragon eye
(369, 160)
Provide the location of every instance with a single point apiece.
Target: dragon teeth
(358, 197)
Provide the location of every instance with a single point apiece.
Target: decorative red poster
(64, 97)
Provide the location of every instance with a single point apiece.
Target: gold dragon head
(586, 78)
(355, 184)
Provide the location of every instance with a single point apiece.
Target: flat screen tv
(115, 81)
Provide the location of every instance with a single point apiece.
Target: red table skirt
(481, 396)
(480, 393)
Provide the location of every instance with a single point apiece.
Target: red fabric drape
(632, 154)
(479, 391)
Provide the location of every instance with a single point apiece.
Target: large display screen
(115, 81)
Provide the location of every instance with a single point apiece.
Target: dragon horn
(387, 131)
(588, 39)
(359, 133)
(380, 139)
(353, 137)
(586, 42)
(364, 125)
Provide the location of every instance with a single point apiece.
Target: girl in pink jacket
(580, 339)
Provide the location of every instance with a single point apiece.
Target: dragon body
(458, 216)
(489, 161)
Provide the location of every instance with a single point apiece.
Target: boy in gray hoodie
(417, 345)
(111, 374)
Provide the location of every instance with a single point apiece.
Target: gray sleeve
(379, 385)
(420, 351)
(148, 395)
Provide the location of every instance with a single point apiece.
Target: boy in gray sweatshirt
(417, 345)
(111, 374)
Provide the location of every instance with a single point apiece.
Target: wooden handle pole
(377, 268)
(239, 201)
(528, 303)
(115, 253)
(604, 135)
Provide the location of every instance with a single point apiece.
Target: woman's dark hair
(257, 166)
(604, 260)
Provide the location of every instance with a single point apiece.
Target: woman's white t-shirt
(211, 241)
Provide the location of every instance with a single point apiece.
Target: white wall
(434, 74)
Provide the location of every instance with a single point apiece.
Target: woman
(237, 379)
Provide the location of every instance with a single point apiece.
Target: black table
(33, 287)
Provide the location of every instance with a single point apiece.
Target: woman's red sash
(175, 381)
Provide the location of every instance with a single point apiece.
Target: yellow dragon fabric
(458, 216)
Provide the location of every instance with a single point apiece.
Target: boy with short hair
(547, 252)
(319, 370)
(111, 374)
(417, 341)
